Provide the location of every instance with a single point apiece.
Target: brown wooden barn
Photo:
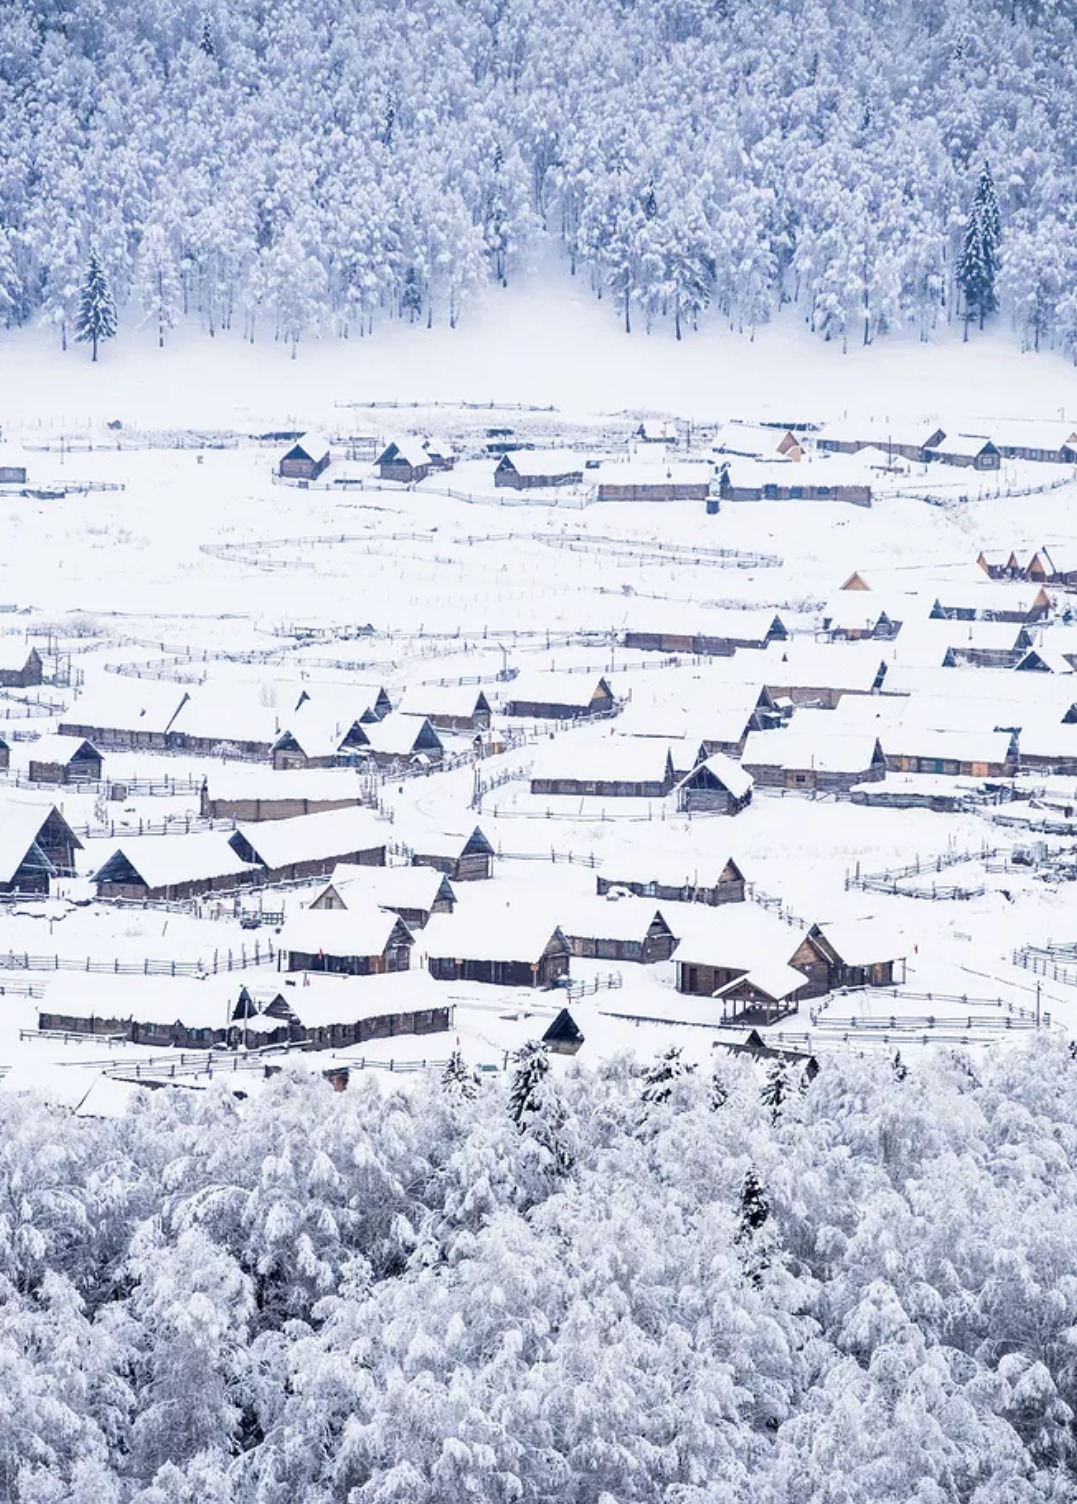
(725, 632)
(415, 893)
(645, 480)
(559, 697)
(311, 845)
(20, 665)
(306, 459)
(463, 858)
(617, 767)
(718, 786)
(357, 942)
(172, 868)
(65, 759)
(257, 793)
(530, 469)
(404, 460)
(619, 929)
(970, 754)
(758, 480)
(513, 950)
(851, 953)
(748, 946)
(807, 760)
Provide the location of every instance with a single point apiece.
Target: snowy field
(193, 566)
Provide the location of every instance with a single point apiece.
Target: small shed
(448, 707)
(64, 759)
(306, 459)
(405, 460)
(563, 1037)
(534, 469)
(718, 786)
(400, 740)
(415, 893)
(20, 664)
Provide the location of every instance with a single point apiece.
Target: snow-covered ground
(197, 567)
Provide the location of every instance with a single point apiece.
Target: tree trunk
(628, 312)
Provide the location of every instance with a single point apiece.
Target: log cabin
(531, 469)
(357, 942)
(5, 756)
(172, 868)
(463, 858)
(123, 712)
(404, 460)
(851, 953)
(450, 707)
(619, 929)
(64, 760)
(720, 634)
(615, 767)
(310, 845)
(731, 946)
(563, 1037)
(20, 665)
(307, 458)
(644, 480)
(971, 754)
(559, 696)
(414, 893)
(514, 949)
(251, 793)
(401, 741)
(717, 786)
(809, 760)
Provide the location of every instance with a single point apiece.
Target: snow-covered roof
(314, 445)
(840, 751)
(318, 729)
(658, 430)
(645, 471)
(360, 931)
(450, 845)
(607, 759)
(166, 861)
(863, 942)
(20, 822)
(851, 666)
(397, 734)
(14, 651)
(949, 745)
(441, 700)
(242, 780)
(818, 470)
(321, 999)
(320, 837)
(227, 713)
(386, 887)
(538, 462)
(729, 773)
(626, 919)
(54, 748)
(1022, 433)
(1048, 739)
(198, 1002)
(554, 688)
(986, 595)
(118, 702)
(490, 930)
(410, 450)
(739, 936)
(773, 979)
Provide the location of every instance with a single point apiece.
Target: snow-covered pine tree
(525, 1093)
(458, 1079)
(206, 42)
(754, 1207)
(977, 265)
(96, 318)
(776, 1089)
(658, 1078)
(158, 281)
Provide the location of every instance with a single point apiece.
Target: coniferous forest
(632, 1284)
(307, 167)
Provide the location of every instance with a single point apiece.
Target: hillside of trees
(631, 1285)
(308, 167)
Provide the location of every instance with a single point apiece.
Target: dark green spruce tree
(977, 266)
(96, 318)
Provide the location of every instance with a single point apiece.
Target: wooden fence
(260, 954)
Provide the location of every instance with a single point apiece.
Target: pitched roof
(397, 734)
(14, 652)
(839, 751)
(648, 472)
(442, 700)
(730, 774)
(307, 838)
(609, 759)
(863, 942)
(386, 887)
(626, 919)
(540, 462)
(773, 979)
(311, 446)
(738, 936)
(167, 861)
(409, 451)
(117, 702)
(490, 931)
(21, 821)
(361, 931)
(55, 748)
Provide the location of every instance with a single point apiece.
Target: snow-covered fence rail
(575, 858)
(898, 881)
(216, 1062)
(178, 825)
(1056, 963)
(607, 981)
(636, 550)
(221, 961)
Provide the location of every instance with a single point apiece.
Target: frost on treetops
(299, 170)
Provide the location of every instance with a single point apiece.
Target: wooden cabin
(619, 929)
(512, 953)
(65, 760)
(533, 469)
(780, 481)
(404, 460)
(311, 742)
(5, 756)
(726, 632)
(718, 786)
(727, 887)
(36, 845)
(970, 754)
(850, 953)
(464, 859)
(643, 480)
(416, 894)
(20, 665)
(310, 845)
(257, 793)
(349, 942)
(124, 712)
(563, 1037)
(559, 697)
(804, 760)
(989, 601)
(401, 740)
(618, 767)
(441, 454)
(306, 459)
(746, 946)
(172, 868)
(451, 707)
(967, 450)
(753, 1044)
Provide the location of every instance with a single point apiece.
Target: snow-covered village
(538, 753)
